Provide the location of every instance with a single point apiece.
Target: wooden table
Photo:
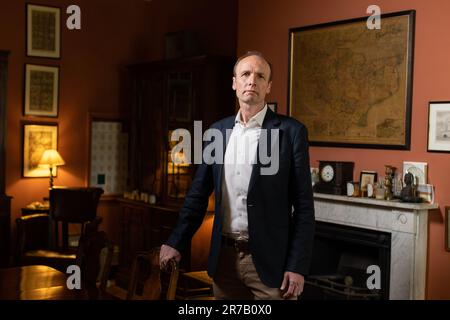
(36, 283)
(28, 211)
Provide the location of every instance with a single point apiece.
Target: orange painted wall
(263, 25)
(89, 82)
(114, 33)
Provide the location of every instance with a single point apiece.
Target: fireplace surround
(405, 223)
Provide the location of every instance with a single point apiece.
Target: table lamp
(51, 158)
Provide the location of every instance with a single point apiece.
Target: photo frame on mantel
(351, 86)
(367, 177)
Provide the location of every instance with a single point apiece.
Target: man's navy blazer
(280, 207)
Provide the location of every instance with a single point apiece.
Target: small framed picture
(367, 177)
(439, 127)
(36, 139)
(447, 228)
(426, 192)
(272, 106)
(43, 31)
(41, 90)
(418, 169)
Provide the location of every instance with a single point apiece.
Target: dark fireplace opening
(341, 257)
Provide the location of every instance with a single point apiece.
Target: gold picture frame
(41, 90)
(351, 86)
(36, 139)
(367, 177)
(43, 31)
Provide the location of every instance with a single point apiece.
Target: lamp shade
(51, 158)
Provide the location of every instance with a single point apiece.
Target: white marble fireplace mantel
(408, 225)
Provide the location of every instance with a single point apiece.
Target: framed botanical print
(43, 31)
(41, 90)
(351, 86)
(36, 139)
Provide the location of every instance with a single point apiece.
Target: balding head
(253, 53)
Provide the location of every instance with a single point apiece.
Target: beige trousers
(236, 278)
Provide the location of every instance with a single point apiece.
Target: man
(264, 223)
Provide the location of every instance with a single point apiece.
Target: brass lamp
(51, 158)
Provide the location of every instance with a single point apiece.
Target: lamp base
(51, 177)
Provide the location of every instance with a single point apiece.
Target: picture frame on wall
(43, 31)
(41, 90)
(447, 228)
(439, 126)
(36, 139)
(351, 86)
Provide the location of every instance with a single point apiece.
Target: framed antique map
(352, 86)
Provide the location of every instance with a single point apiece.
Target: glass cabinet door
(178, 171)
(180, 97)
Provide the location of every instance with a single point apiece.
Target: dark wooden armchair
(39, 238)
(148, 281)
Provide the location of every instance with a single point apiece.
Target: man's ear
(269, 87)
(233, 85)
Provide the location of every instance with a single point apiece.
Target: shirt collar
(258, 118)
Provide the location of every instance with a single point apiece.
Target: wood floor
(195, 285)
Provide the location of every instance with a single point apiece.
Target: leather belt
(239, 245)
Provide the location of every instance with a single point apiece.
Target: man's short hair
(253, 53)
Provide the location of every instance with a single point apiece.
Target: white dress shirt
(240, 155)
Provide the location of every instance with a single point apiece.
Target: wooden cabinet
(144, 226)
(164, 96)
(5, 201)
(167, 95)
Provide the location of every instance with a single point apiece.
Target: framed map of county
(352, 86)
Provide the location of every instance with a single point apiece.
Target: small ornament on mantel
(407, 194)
(409, 190)
(388, 182)
(379, 191)
(398, 185)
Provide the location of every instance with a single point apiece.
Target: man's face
(251, 81)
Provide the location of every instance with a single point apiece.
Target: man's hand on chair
(167, 253)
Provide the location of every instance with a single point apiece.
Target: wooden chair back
(148, 281)
(72, 205)
(89, 258)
